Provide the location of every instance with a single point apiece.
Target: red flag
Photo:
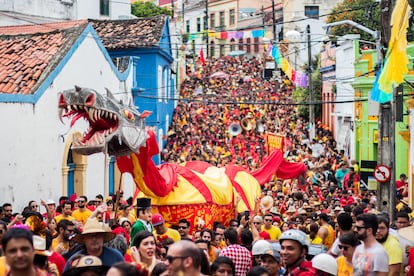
(201, 58)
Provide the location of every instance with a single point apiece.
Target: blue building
(147, 43)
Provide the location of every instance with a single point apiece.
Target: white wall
(344, 112)
(63, 9)
(33, 146)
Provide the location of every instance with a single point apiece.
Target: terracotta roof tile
(131, 33)
(41, 28)
(27, 57)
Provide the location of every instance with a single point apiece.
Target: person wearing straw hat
(86, 266)
(93, 236)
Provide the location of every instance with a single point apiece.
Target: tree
(148, 9)
(364, 12)
(301, 95)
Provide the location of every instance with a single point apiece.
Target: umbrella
(219, 75)
(237, 53)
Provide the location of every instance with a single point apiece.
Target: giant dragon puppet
(194, 190)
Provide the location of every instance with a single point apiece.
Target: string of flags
(231, 34)
(298, 77)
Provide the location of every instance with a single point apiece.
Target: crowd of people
(323, 223)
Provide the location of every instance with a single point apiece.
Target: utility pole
(207, 39)
(310, 85)
(274, 21)
(386, 128)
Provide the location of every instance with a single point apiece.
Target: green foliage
(148, 9)
(301, 95)
(364, 12)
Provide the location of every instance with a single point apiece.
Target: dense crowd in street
(323, 223)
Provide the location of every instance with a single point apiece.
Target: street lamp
(376, 35)
(294, 36)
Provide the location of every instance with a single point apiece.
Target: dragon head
(113, 127)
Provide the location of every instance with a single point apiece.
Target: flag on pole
(201, 58)
(396, 59)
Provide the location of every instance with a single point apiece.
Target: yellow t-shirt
(344, 269)
(4, 268)
(316, 240)
(274, 232)
(171, 233)
(55, 243)
(82, 216)
(394, 250)
(60, 217)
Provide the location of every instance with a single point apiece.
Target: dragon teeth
(90, 113)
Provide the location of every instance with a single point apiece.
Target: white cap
(50, 201)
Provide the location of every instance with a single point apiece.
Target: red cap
(157, 219)
(276, 218)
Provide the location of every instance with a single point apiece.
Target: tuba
(247, 124)
(234, 129)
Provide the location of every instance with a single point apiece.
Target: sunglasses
(344, 247)
(256, 222)
(81, 201)
(171, 259)
(268, 220)
(182, 227)
(34, 206)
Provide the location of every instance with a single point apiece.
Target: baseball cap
(157, 219)
(50, 202)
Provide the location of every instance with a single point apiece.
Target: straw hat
(94, 226)
(39, 245)
(407, 233)
(86, 263)
(291, 209)
(266, 202)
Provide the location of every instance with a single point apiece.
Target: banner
(275, 142)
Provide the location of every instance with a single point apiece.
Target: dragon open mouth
(102, 123)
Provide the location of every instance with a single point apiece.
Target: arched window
(221, 50)
(232, 45)
(248, 45)
(241, 44)
(256, 45)
(71, 173)
(212, 49)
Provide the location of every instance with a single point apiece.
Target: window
(187, 26)
(248, 45)
(198, 24)
(104, 7)
(232, 45)
(232, 18)
(241, 44)
(205, 26)
(256, 45)
(222, 50)
(222, 23)
(212, 49)
(212, 20)
(312, 12)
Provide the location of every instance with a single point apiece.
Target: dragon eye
(129, 115)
